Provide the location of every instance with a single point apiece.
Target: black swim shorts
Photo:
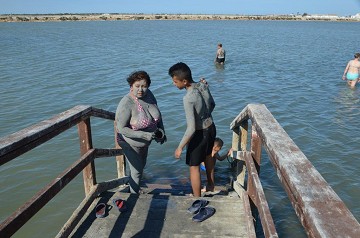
(220, 60)
(200, 145)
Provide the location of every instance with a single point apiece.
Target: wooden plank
(108, 152)
(77, 215)
(248, 214)
(157, 215)
(256, 148)
(97, 112)
(320, 210)
(240, 166)
(89, 175)
(24, 140)
(257, 195)
(120, 159)
(81, 210)
(40, 199)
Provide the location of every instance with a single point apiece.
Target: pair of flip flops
(100, 209)
(201, 210)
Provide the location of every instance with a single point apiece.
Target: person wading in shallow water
(220, 54)
(351, 72)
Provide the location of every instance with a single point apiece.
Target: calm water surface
(294, 68)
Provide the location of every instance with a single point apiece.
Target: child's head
(218, 143)
(357, 55)
(181, 75)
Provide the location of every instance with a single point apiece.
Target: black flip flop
(100, 210)
(203, 214)
(195, 207)
(120, 205)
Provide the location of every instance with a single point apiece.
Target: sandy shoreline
(117, 17)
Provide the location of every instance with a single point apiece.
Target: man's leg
(195, 180)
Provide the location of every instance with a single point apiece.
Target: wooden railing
(22, 141)
(319, 209)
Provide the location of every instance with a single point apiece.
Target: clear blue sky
(261, 7)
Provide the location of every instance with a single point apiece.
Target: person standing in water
(138, 121)
(220, 54)
(351, 72)
(200, 131)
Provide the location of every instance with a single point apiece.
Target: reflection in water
(347, 106)
(219, 67)
(219, 74)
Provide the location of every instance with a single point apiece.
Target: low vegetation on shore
(117, 16)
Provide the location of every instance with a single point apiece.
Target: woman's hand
(177, 153)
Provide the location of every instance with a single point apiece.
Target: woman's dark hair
(182, 71)
(357, 55)
(137, 76)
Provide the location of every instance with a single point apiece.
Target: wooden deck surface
(161, 211)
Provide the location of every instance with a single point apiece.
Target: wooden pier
(161, 210)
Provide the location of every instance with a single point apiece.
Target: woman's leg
(136, 157)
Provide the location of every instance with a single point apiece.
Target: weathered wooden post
(120, 159)
(241, 168)
(235, 139)
(256, 147)
(255, 158)
(84, 130)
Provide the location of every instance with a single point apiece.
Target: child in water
(218, 144)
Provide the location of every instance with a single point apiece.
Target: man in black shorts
(200, 131)
(220, 54)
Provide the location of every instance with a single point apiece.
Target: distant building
(357, 16)
(323, 16)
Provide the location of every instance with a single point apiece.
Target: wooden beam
(120, 159)
(256, 148)
(257, 195)
(96, 112)
(108, 152)
(40, 199)
(318, 207)
(79, 212)
(84, 129)
(86, 203)
(24, 140)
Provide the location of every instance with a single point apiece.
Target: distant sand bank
(116, 17)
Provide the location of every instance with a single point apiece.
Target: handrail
(25, 140)
(320, 210)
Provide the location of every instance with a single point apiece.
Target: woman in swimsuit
(351, 72)
(137, 120)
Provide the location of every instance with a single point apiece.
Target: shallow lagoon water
(294, 68)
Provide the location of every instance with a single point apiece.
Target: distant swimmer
(351, 72)
(220, 54)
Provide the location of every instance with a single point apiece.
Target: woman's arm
(345, 71)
